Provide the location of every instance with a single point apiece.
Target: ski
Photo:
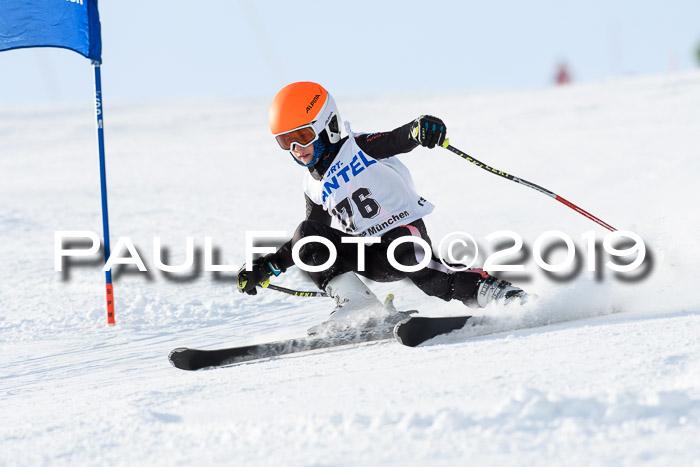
(418, 329)
(410, 331)
(195, 359)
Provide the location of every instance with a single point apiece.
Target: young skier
(357, 180)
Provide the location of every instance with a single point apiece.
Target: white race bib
(368, 197)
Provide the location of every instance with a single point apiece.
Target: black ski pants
(435, 279)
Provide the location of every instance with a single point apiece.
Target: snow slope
(600, 372)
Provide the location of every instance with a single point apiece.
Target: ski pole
(296, 293)
(500, 173)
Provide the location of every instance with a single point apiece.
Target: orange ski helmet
(300, 113)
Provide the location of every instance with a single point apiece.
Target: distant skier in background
(357, 180)
(563, 75)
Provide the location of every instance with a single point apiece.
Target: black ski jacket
(377, 145)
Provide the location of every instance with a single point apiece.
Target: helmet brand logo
(313, 101)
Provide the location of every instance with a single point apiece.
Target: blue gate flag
(71, 24)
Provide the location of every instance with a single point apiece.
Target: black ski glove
(428, 131)
(263, 268)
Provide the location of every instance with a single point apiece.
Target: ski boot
(496, 290)
(357, 309)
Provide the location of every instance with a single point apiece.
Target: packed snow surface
(603, 369)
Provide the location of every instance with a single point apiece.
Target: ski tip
(175, 352)
(399, 333)
(177, 358)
